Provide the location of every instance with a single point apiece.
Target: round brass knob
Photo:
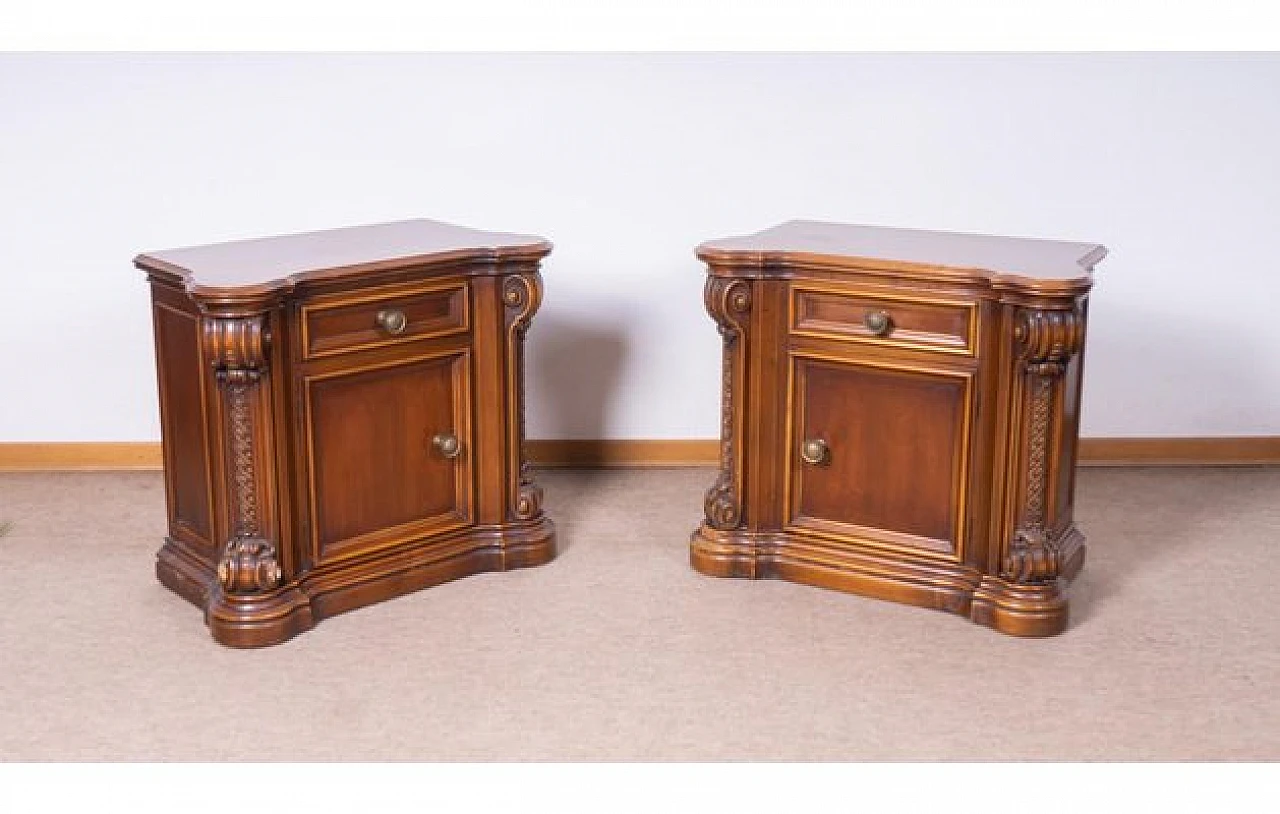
(447, 443)
(814, 451)
(878, 322)
(392, 320)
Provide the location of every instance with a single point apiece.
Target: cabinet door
(382, 468)
(879, 453)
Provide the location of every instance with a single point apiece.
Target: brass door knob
(447, 443)
(878, 322)
(392, 320)
(814, 451)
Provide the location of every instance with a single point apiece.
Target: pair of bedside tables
(342, 418)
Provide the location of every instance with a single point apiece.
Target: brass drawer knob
(392, 320)
(447, 443)
(814, 451)
(878, 322)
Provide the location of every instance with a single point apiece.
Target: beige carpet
(618, 651)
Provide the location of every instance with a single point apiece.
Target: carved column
(729, 304)
(237, 347)
(521, 296)
(1046, 341)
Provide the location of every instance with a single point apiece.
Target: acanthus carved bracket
(237, 349)
(521, 297)
(729, 304)
(1046, 341)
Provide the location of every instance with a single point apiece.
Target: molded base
(1019, 610)
(327, 590)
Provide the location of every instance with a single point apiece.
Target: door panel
(376, 477)
(894, 453)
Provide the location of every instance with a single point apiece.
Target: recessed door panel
(879, 453)
(390, 453)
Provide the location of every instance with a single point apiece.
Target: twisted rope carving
(243, 470)
(237, 348)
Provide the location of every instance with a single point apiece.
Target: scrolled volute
(248, 566)
(236, 346)
(1032, 559)
(1048, 338)
(729, 303)
(522, 296)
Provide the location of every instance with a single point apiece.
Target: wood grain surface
(781, 249)
(261, 264)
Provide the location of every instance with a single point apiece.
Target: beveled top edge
(261, 265)
(1030, 262)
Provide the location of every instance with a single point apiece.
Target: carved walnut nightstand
(342, 419)
(900, 416)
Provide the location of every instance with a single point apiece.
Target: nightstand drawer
(890, 320)
(389, 317)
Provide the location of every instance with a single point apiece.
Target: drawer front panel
(886, 320)
(879, 455)
(381, 468)
(389, 317)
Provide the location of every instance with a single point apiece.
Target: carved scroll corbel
(237, 347)
(728, 302)
(521, 297)
(1046, 341)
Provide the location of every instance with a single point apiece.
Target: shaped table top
(263, 264)
(836, 244)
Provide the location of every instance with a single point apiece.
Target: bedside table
(342, 419)
(900, 416)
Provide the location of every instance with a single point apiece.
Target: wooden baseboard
(614, 453)
(145, 456)
(80, 457)
(1229, 451)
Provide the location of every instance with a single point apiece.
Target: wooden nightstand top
(265, 264)
(807, 242)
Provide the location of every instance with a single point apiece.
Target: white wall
(626, 162)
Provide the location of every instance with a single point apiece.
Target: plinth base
(270, 618)
(1015, 609)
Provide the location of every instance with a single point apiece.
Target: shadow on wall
(574, 366)
(1154, 355)
(1151, 356)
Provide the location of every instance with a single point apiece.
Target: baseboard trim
(80, 457)
(628, 453)
(592, 454)
(1260, 450)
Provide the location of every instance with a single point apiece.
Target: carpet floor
(619, 651)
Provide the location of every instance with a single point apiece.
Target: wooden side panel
(182, 377)
(492, 412)
(896, 450)
(377, 477)
(1066, 446)
(1067, 428)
